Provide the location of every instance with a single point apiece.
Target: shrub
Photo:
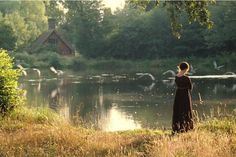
(50, 58)
(78, 64)
(24, 59)
(10, 95)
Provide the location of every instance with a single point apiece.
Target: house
(53, 38)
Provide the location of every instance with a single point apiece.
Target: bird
(200, 98)
(22, 69)
(229, 73)
(58, 72)
(38, 71)
(146, 74)
(169, 82)
(169, 71)
(216, 66)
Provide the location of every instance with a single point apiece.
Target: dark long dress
(182, 119)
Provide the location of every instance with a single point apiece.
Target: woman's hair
(183, 66)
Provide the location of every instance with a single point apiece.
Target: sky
(113, 4)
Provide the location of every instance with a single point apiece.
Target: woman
(182, 119)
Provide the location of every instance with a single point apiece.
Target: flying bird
(58, 72)
(146, 74)
(169, 71)
(22, 69)
(216, 66)
(38, 71)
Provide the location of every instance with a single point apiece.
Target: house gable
(53, 38)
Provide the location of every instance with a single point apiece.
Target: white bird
(229, 73)
(169, 82)
(169, 71)
(54, 93)
(216, 66)
(22, 69)
(200, 98)
(39, 86)
(58, 72)
(146, 74)
(38, 71)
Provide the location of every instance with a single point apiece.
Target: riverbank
(201, 65)
(41, 132)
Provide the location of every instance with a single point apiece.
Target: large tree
(7, 37)
(223, 35)
(197, 11)
(26, 18)
(84, 25)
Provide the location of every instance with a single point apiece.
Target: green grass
(41, 132)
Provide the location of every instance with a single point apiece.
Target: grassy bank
(203, 65)
(41, 132)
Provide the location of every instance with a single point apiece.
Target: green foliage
(139, 31)
(7, 38)
(78, 64)
(84, 29)
(35, 115)
(26, 18)
(197, 11)
(132, 33)
(24, 59)
(54, 11)
(49, 58)
(223, 37)
(10, 95)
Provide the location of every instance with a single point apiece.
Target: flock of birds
(193, 70)
(173, 73)
(52, 69)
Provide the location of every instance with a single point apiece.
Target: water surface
(112, 102)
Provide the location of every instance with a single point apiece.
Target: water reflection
(126, 103)
(116, 120)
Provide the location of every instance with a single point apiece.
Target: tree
(84, 25)
(223, 35)
(54, 9)
(7, 38)
(138, 35)
(197, 11)
(26, 18)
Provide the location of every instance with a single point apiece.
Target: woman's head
(183, 66)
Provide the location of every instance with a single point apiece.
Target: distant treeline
(129, 33)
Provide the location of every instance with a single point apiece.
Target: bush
(78, 64)
(10, 95)
(24, 59)
(50, 58)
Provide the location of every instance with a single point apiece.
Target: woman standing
(182, 119)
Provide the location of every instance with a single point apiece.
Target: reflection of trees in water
(93, 101)
(214, 89)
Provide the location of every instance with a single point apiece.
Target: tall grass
(41, 132)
